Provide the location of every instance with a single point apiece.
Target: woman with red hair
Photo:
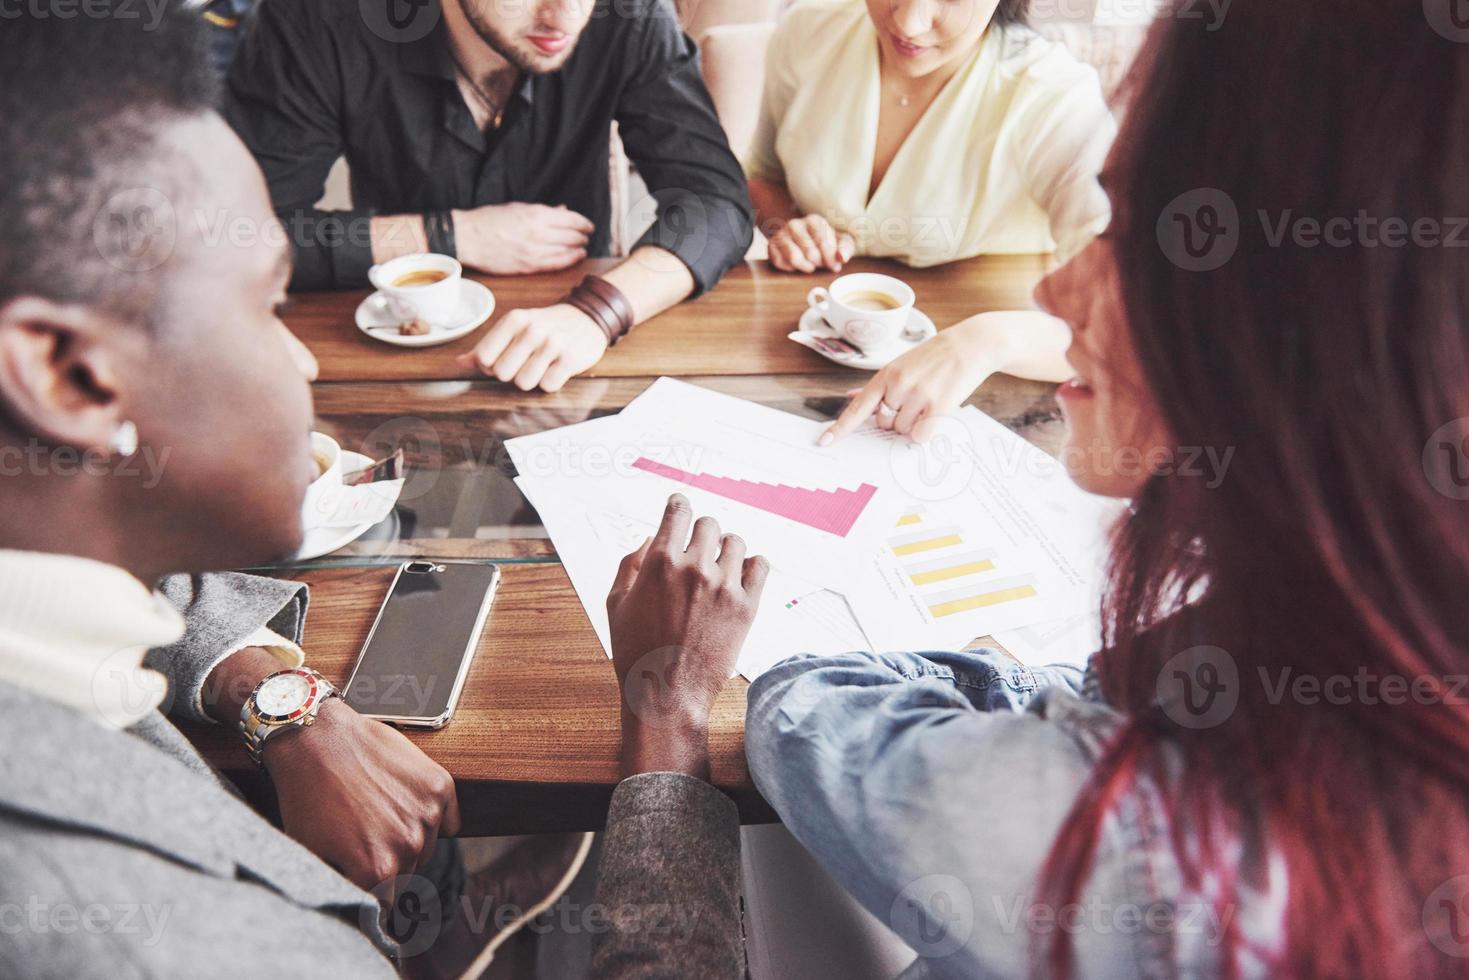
(1266, 770)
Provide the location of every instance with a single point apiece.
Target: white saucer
(813, 330)
(324, 540)
(476, 303)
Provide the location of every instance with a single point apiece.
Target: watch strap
(255, 729)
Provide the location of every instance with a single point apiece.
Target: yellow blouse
(1004, 160)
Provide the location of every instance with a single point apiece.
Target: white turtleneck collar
(75, 631)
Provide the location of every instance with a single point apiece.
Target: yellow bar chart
(950, 567)
(927, 539)
(978, 596)
(946, 558)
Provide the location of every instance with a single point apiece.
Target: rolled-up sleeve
(282, 98)
(223, 612)
(674, 137)
(923, 788)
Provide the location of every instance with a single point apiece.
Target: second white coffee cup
(868, 309)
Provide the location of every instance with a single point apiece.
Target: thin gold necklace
(496, 111)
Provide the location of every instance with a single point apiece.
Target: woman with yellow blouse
(929, 131)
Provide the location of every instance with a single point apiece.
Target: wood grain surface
(739, 327)
(534, 744)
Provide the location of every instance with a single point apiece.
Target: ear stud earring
(125, 439)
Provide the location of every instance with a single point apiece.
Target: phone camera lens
(420, 567)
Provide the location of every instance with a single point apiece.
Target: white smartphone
(412, 668)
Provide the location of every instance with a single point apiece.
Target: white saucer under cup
(476, 303)
(816, 334)
(319, 541)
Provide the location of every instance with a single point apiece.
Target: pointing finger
(674, 530)
(858, 410)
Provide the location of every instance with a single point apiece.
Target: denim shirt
(932, 786)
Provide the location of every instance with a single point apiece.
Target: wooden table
(534, 744)
(739, 327)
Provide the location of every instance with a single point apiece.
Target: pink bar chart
(833, 511)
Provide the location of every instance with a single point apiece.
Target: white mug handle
(819, 300)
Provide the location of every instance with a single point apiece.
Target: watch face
(285, 696)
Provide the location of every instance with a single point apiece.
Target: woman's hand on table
(679, 615)
(539, 348)
(810, 243)
(930, 381)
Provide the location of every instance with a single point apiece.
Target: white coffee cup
(322, 494)
(868, 309)
(435, 302)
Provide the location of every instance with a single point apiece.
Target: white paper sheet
(975, 533)
(795, 615)
(813, 515)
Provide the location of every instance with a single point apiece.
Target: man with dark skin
(236, 413)
(124, 331)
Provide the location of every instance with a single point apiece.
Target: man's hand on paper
(679, 615)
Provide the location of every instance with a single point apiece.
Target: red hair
(1333, 546)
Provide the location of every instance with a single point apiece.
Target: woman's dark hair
(1012, 11)
(1329, 145)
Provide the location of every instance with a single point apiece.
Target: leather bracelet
(598, 311)
(438, 228)
(605, 304)
(614, 299)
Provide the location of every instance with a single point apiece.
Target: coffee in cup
(867, 309)
(425, 286)
(420, 277)
(870, 300)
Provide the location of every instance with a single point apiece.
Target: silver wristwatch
(288, 698)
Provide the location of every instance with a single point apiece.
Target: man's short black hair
(86, 188)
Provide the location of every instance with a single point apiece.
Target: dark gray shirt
(375, 81)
